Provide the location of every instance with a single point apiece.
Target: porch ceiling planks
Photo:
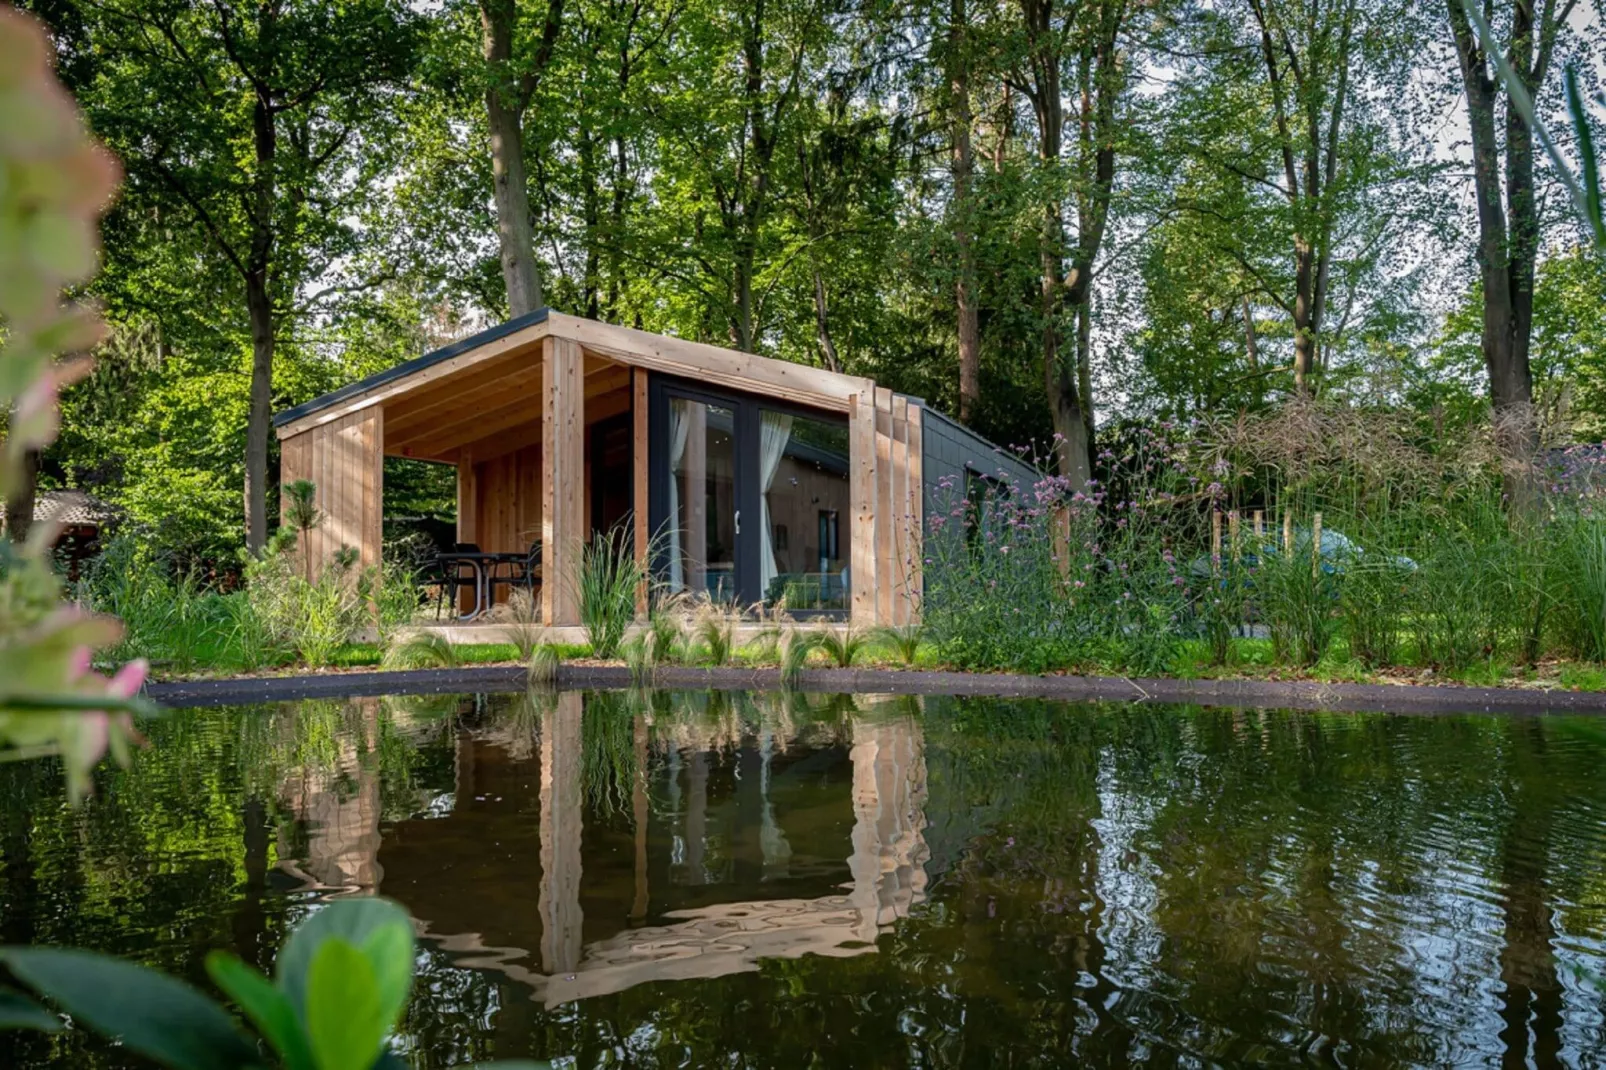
(443, 394)
(598, 407)
(524, 340)
(411, 426)
(490, 411)
(517, 344)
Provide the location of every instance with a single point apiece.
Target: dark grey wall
(950, 449)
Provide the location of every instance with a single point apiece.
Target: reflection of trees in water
(1390, 889)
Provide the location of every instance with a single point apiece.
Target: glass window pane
(803, 466)
(702, 499)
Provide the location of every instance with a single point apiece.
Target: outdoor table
(481, 563)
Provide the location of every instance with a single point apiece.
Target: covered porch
(730, 476)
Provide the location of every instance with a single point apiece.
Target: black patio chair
(524, 573)
(454, 575)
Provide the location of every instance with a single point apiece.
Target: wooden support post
(898, 514)
(1316, 544)
(1260, 525)
(885, 552)
(1215, 540)
(563, 479)
(638, 463)
(1232, 536)
(468, 516)
(1288, 534)
(917, 513)
(861, 492)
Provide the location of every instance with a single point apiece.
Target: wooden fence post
(1316, 544)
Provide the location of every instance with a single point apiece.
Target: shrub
(1041, 577)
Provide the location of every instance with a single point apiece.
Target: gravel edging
(1277, 694)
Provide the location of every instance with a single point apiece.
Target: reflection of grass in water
(608, 748)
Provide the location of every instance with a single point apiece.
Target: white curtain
(773, 433)
(679, 426)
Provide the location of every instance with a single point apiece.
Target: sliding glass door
(748, 499)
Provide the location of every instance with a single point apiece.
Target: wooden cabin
(743, 478)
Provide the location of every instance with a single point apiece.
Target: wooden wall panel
(563, 491)
(509, 489)
(915, 512)
(885, 478)
(862, 494)
(344, 458)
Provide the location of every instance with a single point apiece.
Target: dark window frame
(746, 409)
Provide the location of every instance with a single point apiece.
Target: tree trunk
(1084, 370)
(1505, 256)
(505, 115)
(1304, 318)
(259, 308)
(259, 421)
(1072, 448)
(20, 505)
(963, 168)
(591, 211)
(822, 324)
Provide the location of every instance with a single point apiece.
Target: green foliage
(54, 181)
(714, 641)
(543, 665)
(903, 643)
(340, 985)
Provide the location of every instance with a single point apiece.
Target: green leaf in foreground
(151, 1013)
(267, 1008)
(17, 1011)
(354, 921)
(345, 1008)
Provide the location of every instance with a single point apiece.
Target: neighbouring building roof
(71, 508)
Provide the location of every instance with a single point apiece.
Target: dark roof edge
(408, 367)
(990, 445)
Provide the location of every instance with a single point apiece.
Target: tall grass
(276, 617)
(607, 583)
(1423, 562)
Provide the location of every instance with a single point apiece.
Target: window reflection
(803, 468)
(702, 499)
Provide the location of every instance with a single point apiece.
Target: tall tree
(1508, 213)
(958, 61)
(1079, 37)
(252, 123)
(513, 71)
(1304, 162)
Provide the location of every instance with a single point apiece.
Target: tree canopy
(1046, 216)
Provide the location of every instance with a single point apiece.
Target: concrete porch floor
(492, 632)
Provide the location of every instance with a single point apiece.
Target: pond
(691, 879)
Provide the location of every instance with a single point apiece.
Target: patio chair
(525, 573)
(454, 575)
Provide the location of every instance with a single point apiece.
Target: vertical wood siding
(885, 489)
(345, 459)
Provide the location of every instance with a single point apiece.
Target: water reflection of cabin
(736, 861)
(809, 485)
